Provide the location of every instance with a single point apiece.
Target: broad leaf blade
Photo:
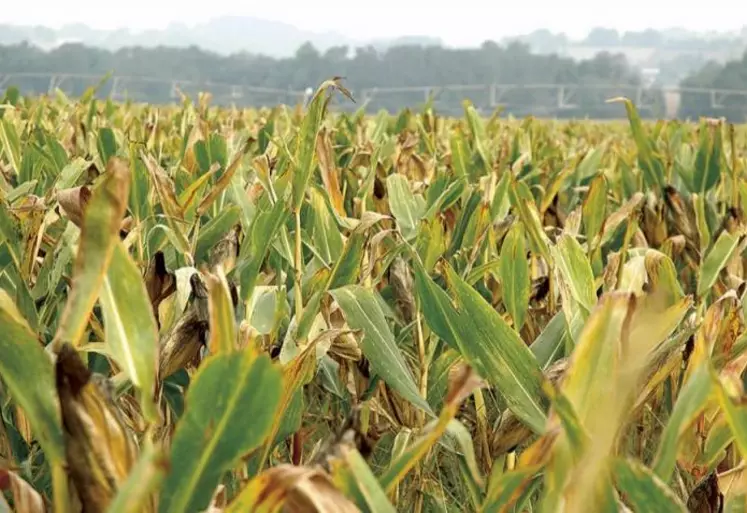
(363, 312)
(220, 425)
(407, 211)
(514, 272)
(716, 260)
(130, 326)
(643, 490)
(22, 358)
(485, 340)
(99, 237)
(222, 317)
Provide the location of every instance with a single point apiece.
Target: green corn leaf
(215, 230)
(363, 312)
(220, 425)
(594, 207)
(304, 152)
(716, 260)
(690, 402)
(469, 324)
(256, 245)
(354, 478)
(23, 357)
(707, 170)
(506, 490)
(405, 206)
(130, 327)
(643, 490)
(514, 273)
(576, 282)
(650, 163)
(99, 237)
(10, 144)
(106, 144)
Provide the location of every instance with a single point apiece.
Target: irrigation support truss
(491, 96)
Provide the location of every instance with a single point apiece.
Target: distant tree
(730, 76)
(603, 37)
(647, 38)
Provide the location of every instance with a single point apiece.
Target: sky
(464, 23)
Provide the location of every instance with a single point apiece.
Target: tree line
(363, 67)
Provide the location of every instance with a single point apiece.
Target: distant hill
(225, 35)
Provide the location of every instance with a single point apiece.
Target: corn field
(214, 310)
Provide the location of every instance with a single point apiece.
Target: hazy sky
(465, 22)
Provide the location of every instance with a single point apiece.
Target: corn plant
(211, 309)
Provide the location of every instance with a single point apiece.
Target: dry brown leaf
(100, 450)
(226, 251)
(181, 346)
(159, 282)
(400, 278)
(329, 170)
(73, 203)
(463, 381)
(706, 497)
(25, 498)
(293, 489)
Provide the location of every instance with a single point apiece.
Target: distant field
(207, 309)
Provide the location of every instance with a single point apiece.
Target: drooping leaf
(291, 488)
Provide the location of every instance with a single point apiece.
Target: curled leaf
(73, 202)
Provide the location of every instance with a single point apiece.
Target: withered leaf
(159, 282)
(295, 489)
(73, 203)
(226, 251)
(706, 497)
(25, 498)
(99, 448)
(182, 345)
(329, 170)
(400, 277)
